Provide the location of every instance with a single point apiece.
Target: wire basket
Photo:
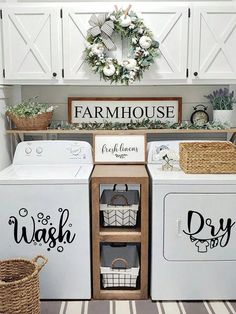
(119, 266)
(208, 157)
(37, 122)
(19, 285)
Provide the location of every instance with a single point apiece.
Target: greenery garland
(138, 125)
(143, 48)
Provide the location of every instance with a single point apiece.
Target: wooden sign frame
(93, 100)
(114, 142)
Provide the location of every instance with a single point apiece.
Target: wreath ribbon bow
(103, 27)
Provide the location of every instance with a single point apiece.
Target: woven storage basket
(19, 286)
(119, 207)
(37, 122)
(208, 157)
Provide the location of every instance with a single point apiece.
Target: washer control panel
(53, 152)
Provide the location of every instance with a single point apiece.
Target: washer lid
(177, 176)
(32, 174)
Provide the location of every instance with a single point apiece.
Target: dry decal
(41, 229)
(219, 234)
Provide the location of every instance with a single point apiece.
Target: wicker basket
(208, 157)
(19, 286)
(37, 122)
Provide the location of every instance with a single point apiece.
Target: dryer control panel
(53, 152)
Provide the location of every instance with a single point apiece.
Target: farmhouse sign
(123, 110)
(119, 149)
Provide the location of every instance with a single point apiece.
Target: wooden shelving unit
(120, 174)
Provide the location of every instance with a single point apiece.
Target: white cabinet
(31, 42)
(214, 42)
(42, 43)
(168, 23)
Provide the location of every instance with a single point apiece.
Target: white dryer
(44, 210)
(193, 253)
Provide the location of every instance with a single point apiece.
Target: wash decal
(219, 234)
(42, 230)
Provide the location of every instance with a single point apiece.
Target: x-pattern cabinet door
(214, 42)
(31, 42)
(75, 28)
(169, 25)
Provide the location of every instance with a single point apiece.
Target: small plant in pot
(222, 103)
(30, 114)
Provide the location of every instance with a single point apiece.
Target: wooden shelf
(139, 131)
(123, 174)
(120, 234)
(122, 294)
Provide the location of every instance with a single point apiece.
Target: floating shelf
(139, 131)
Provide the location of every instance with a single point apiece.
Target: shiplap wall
(57, 95)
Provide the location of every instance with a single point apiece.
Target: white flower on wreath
(145, 53)
(130, 64)
(97, 49)
(132, 26)
(113, 18)
(140, 31)
(133, 18)
(131, 74)
(145, 42)
(134, 40)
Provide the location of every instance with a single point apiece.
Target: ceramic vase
(223, 116)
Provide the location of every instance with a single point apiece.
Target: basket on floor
(19, 286)
(208, 157)
(37, 122)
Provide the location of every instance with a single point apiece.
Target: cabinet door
(169, 25)
(214, 42)
(75, 28)
(31, 43)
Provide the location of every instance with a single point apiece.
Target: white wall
(8, 95)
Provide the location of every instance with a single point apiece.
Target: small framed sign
(121, 149)
(123, 110)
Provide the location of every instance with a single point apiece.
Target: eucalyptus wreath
(142, 47)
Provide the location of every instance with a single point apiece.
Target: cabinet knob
(195, 73)
(54, 74)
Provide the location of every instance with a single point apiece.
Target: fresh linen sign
(90, 110)
(119, 149)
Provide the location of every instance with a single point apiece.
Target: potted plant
(222, 103)
(30, 114)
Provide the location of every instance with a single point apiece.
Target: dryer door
(199, 226)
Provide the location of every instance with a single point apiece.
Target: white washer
(193, 254)
(45, 211)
